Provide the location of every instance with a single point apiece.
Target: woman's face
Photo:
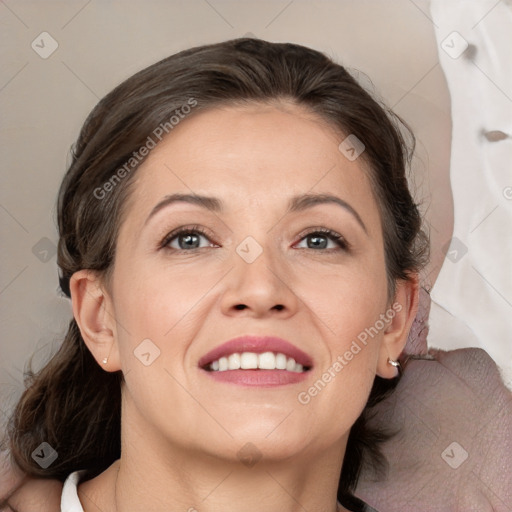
(259, 270)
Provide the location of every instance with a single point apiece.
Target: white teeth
(234, 361)
(252, 361)
(280, 361)
(248, 360)
(290, 364)
(267, 361)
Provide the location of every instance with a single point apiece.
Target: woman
(242, 253)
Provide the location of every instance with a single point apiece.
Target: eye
(320, 238)
(188, 239)
(185, 238)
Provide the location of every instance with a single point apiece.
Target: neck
(154, 474)
(206, 486)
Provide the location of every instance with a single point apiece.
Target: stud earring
(105, 359)
(397, 365)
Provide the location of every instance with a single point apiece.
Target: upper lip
(258, 345)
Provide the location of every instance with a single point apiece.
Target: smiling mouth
(256, 361)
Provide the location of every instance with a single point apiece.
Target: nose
(259, 288)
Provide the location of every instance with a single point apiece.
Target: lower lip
(262, 378)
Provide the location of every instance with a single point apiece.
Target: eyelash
(185, 229)
(329, 233)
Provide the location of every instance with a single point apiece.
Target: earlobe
(93, 314)
(405, 306)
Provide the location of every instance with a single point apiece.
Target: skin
(24, 493)
(182, 431)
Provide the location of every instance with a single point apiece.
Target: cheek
(348, 309)
(160, 298)
(352, 332)
(162, 303)
(157, 295)
(348, 298)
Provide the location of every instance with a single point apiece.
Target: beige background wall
(44, 102)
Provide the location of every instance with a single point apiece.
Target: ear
(94, 314)
(405, 306)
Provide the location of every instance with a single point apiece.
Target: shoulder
(44, 495)
(26, 494)
(36, 495)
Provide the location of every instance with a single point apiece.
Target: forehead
(252, 155)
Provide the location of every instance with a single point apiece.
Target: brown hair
(66, 404)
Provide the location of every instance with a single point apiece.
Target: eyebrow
(296, 204)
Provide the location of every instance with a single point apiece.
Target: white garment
(69, 501)
(472, 297)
